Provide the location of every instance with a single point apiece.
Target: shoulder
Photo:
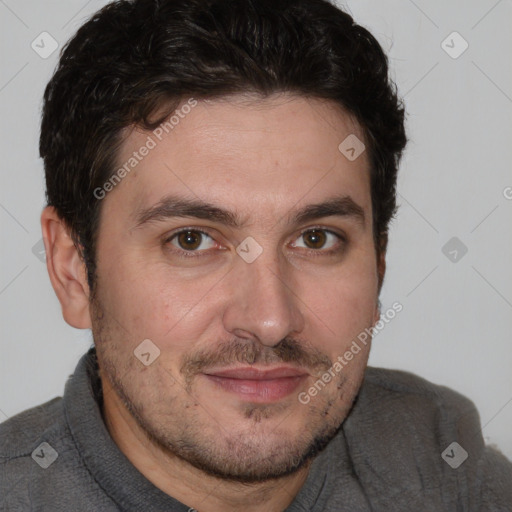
(414, 391)
(421, 411)
(41, 465)
(19, 433)
(30, 442)
(423, 438)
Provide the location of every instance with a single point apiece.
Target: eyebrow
(174, 207)
(342, 206)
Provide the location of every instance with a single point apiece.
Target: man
(220, 179)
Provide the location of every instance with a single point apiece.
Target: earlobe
(66, 269)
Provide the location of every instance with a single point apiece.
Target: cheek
(341, 308)
(344, 316)
(152, 300)
(346, 294)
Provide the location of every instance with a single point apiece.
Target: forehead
(252, 156)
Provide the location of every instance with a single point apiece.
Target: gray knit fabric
(386, 457)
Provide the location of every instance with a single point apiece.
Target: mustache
(251, 352)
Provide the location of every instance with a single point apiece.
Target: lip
(251, 373)
(258, 385)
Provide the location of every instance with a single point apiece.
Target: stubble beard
(249, 456)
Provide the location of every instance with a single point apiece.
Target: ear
(381, 269)
(66, 269)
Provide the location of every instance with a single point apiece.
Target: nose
(263, 304)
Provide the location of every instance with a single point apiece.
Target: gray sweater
(393, 453)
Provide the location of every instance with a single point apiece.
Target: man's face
(294, 307)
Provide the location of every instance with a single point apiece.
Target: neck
(186, 483)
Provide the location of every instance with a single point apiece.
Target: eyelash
(342, 241)
(181, 252)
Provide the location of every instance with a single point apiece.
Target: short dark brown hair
(134, 58)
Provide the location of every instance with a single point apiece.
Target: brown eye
(190, 240)
(315, 239)
(323, 241)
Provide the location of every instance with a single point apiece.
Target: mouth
(258, 385)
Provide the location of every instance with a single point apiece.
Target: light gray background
(456, 324)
